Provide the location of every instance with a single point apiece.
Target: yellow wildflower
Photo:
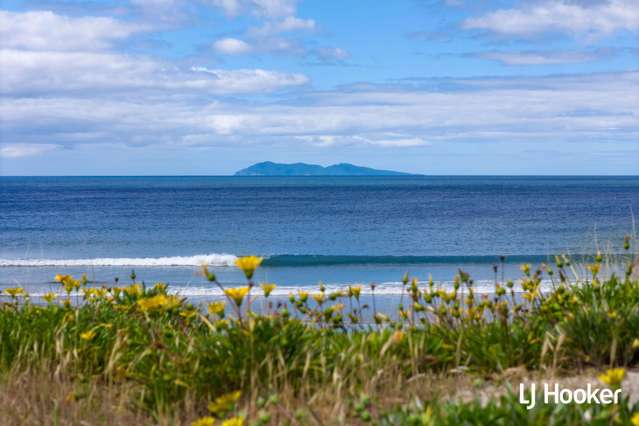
(216, 308)
(635, 344)
(635, 419)
(338, 307)
(134, 290)
(303, 295)
(190, 313)
(159, 301)
(248, 265)
(356, 291)
(49, 297)
(267, 288)
(613, 377)
(397, 337)
(319, 298)
(60, 278)
(224, 403)
(204, 421)
(237, 294)
(160, 287)
(87, 335)
(15, 291)
(234, 421)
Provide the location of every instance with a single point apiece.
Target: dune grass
(137, 354)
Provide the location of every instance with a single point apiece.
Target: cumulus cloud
(576, 18)
(578, 108)
(49, 31)
(49, 54)
(277, 19)
(26, 72)
(231, 46)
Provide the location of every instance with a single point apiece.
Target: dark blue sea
(338, 230)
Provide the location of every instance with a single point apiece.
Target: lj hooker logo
(555, 394)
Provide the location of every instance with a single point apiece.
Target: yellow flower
(224, 403)
(635, 419)
(134, 290)
(60, 278)
(237, 294)
(397, 337)
(613, 377)
(160, 287)
(248, 265)
(267, 288)
(635, 344)
(188, 313)
(159, 301)
(15, 291)
(338, 307)
(319, 298)
(303, 295)
(234, 421)
(216, 308)
(87, 335)
(49, 297)
(204, 421)
(356, 291)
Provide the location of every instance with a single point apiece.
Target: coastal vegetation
(139, 354)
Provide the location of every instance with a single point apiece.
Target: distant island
(269, 168)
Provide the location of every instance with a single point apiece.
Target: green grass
(314, 361)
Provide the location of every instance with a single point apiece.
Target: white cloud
(544, 110)
(387, 140)
(290, 23)
(231, 46)
(26, 72)
(263, 8)
(274, 8)
(251, 80)
(540, 58)
(48, 31)
(47, 53)
(230, 7)
(25, 150)
(594, 19)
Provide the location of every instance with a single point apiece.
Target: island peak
(270, 168)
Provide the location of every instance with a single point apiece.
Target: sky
(207, 87)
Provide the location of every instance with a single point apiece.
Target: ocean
(335, 230)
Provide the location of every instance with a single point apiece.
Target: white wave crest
(197, 260)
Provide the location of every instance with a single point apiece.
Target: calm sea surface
(337, 229)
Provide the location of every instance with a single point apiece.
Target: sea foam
(213, 259)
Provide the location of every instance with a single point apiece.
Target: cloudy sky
(97, 87)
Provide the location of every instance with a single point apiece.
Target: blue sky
(168, 87)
